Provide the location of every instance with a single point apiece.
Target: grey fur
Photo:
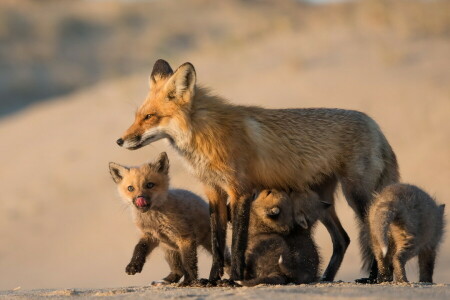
(404, 222)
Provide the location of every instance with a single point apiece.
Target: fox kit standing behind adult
(405, 222)
(281, 248)
(178, 220)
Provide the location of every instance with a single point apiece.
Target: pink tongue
(141, 202)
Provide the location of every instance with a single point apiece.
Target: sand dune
(62, 224)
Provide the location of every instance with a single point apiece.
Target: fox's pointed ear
(161, 70)
(182, 83)
(300, 219)
(325, 204)
(162, 164)
(117, 171)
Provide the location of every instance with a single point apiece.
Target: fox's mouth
(142, 203)
(145, 140)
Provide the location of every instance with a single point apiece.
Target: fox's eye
(148, 117)
(273, 212)
(171, 96)
(130, 188)
(149, 185)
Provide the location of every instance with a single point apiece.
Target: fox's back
(300, 145)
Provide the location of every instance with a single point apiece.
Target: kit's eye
(274, 212)
(148, 117)
(130, 188)
(149, 185)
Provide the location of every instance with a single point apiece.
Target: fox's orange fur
(233, 149)
(177, 220)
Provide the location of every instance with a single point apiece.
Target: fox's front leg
(240, 221)
(218, 222)
(142, 249)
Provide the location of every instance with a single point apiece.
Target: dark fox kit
(281, 249)
(405, 222)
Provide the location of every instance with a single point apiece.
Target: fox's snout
(120, 142)
(142, 202)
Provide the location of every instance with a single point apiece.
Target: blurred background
(72, 73)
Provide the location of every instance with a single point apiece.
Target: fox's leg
(188, 253)
(427, 258)
(173, 258)
(331, 222)
(240, 221)
(359, 196)
(218, 221)
(383, 264)
(403, 252)
(142, 249)
(370, 168)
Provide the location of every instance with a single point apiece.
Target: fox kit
(405, 222)
(177, 220)
(281, 249)
(233, 149)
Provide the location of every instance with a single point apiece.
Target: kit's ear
(162, 163)
(325, 204)
(117, 171)
(300, 219)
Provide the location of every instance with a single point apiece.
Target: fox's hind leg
(173, 258)
(188, 253)
(331, 222)
(384, 264)
(401, 256)
(427, 258)
(372, 167)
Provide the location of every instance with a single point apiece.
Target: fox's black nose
(119, 142)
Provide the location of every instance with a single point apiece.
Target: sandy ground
(62, 224)
(312, 291)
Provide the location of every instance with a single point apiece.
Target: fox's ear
(300, 219)
(181, 84)
(162, 164)
(161, 70)
(117, 171)
(325, 204)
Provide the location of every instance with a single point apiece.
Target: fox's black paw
(366, 280)
(133, 268)
(227, 283)
(216, 273)
(194, 283)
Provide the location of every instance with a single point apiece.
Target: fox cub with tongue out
(176, 220)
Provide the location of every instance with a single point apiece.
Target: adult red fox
(233, 149)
